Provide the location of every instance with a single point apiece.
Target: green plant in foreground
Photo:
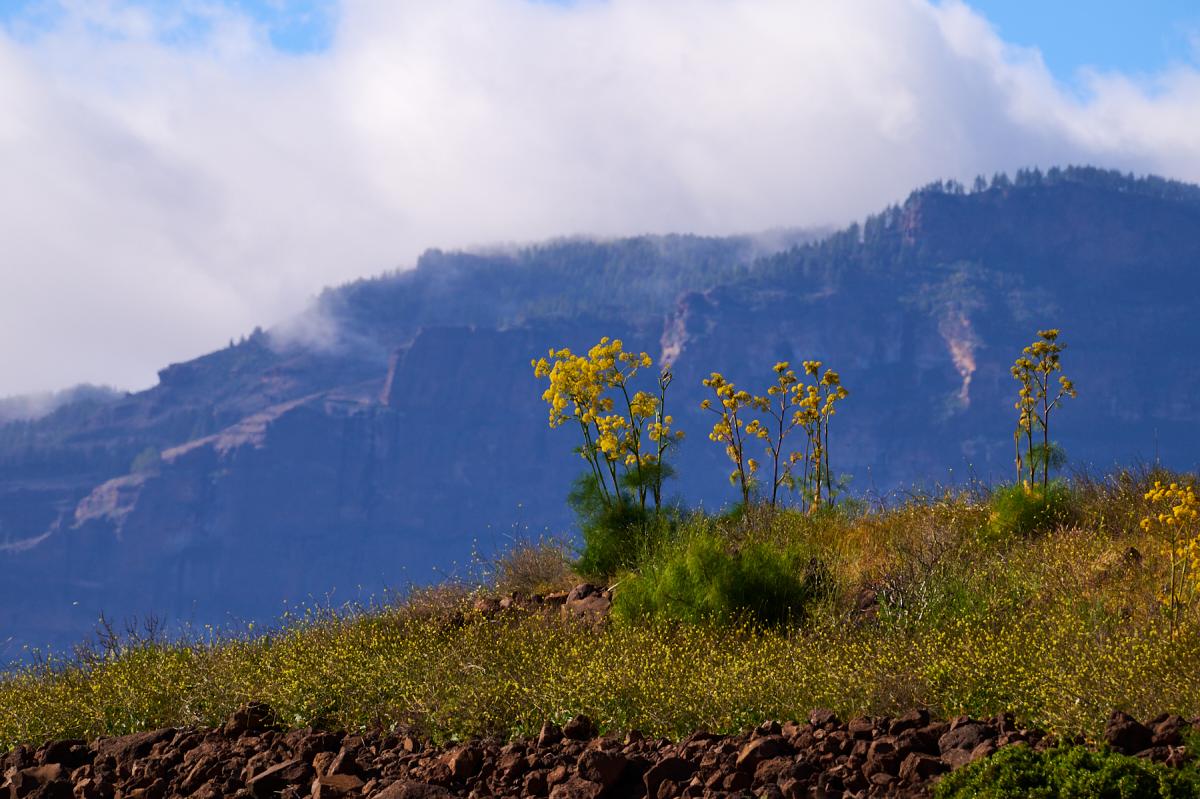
(1019, 511)
(700, 580)
(1017, 772)
(615, 537)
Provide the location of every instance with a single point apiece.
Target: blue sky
(294, 26)
(1132, 37)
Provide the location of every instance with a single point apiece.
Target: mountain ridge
(381, 430)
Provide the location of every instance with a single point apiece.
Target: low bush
(1017, 511)
(534, 567)
(701, 579)
(1018, 772)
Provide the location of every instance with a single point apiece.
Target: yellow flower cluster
(1173, 521)
(593, 391)
(1034, 404)
(731, 430)
(788, 403)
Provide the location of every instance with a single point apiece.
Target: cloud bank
(163, 193)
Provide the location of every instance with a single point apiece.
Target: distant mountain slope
(378, 436)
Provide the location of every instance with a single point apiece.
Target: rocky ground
(823, 757)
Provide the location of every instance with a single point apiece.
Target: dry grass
(534, 567)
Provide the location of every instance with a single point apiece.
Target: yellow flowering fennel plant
(731, 429)
(1173, 520)
(789, 403)
(816, 409)
(1036, 400)
(624, 439)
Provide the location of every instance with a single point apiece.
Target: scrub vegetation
(1055, 599)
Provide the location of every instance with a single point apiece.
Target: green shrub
(616, 536)
(699, 579)
(615, 539)
(1021, 512)
(1067, 773)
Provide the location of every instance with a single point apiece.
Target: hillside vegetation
(1056, 600)
(923, 601)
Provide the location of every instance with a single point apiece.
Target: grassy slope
(1059, 628)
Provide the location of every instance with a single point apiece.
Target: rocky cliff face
(283, 470)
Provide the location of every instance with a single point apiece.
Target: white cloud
(160, 195)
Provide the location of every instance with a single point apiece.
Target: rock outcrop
(249, 757)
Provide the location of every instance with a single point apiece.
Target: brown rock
(738, 781)
(1169, 731)
(791, 788)
(579, 728)
(43, 782)
(675, 769)
(918, 740)
(1010, 738)
(488, 606)
(557, 775)
(762, 749)
(512, 766)
(20, 757)
(274, 779)
(70, 754)
(406, 789)
(912, 720)
(918, 767)
(335, 785)
(966, 736)
(346, 760)
(556, 598)
(321, 761)
(582, 591)
(127, 748)
(535, 784)
(1157, 754)
(823, 717)
(550, 735)
(577, 788)
(772, 770)
(86, 788)
(882, 758)
(862, 727)
(592, 608)
(956, 758)
(464, 762)
(312, 743)
(1126, 734)
(1179, 755)
(250, 718)
(985, 749)
(602, 767)
(767, 728)
(881, 780)
(667, 789)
